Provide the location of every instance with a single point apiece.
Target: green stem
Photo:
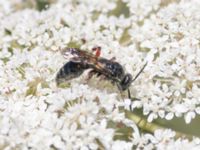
(143, 124)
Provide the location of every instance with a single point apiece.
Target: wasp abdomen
(69, 71)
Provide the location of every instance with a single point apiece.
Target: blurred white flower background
(94, 114)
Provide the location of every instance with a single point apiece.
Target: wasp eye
(126, 82)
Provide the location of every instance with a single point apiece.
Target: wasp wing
(75, 54)
(98, 64)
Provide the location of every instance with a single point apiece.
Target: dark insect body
(82, 60)
(69, 71)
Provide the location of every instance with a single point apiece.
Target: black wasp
(107, 68)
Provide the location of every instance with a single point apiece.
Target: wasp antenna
(139, 72)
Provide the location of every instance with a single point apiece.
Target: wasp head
(125, 82)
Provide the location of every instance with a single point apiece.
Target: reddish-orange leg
(97, 50)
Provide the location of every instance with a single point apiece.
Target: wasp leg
(98, 74)
(129, 94)
(132, 98)
(101, 76)
(91, 73)
(97, 49)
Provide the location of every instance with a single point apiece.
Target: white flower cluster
(141, 9)
(164, 140)
(36, 114)
(172, 41)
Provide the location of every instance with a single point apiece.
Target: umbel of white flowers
(36, 114)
